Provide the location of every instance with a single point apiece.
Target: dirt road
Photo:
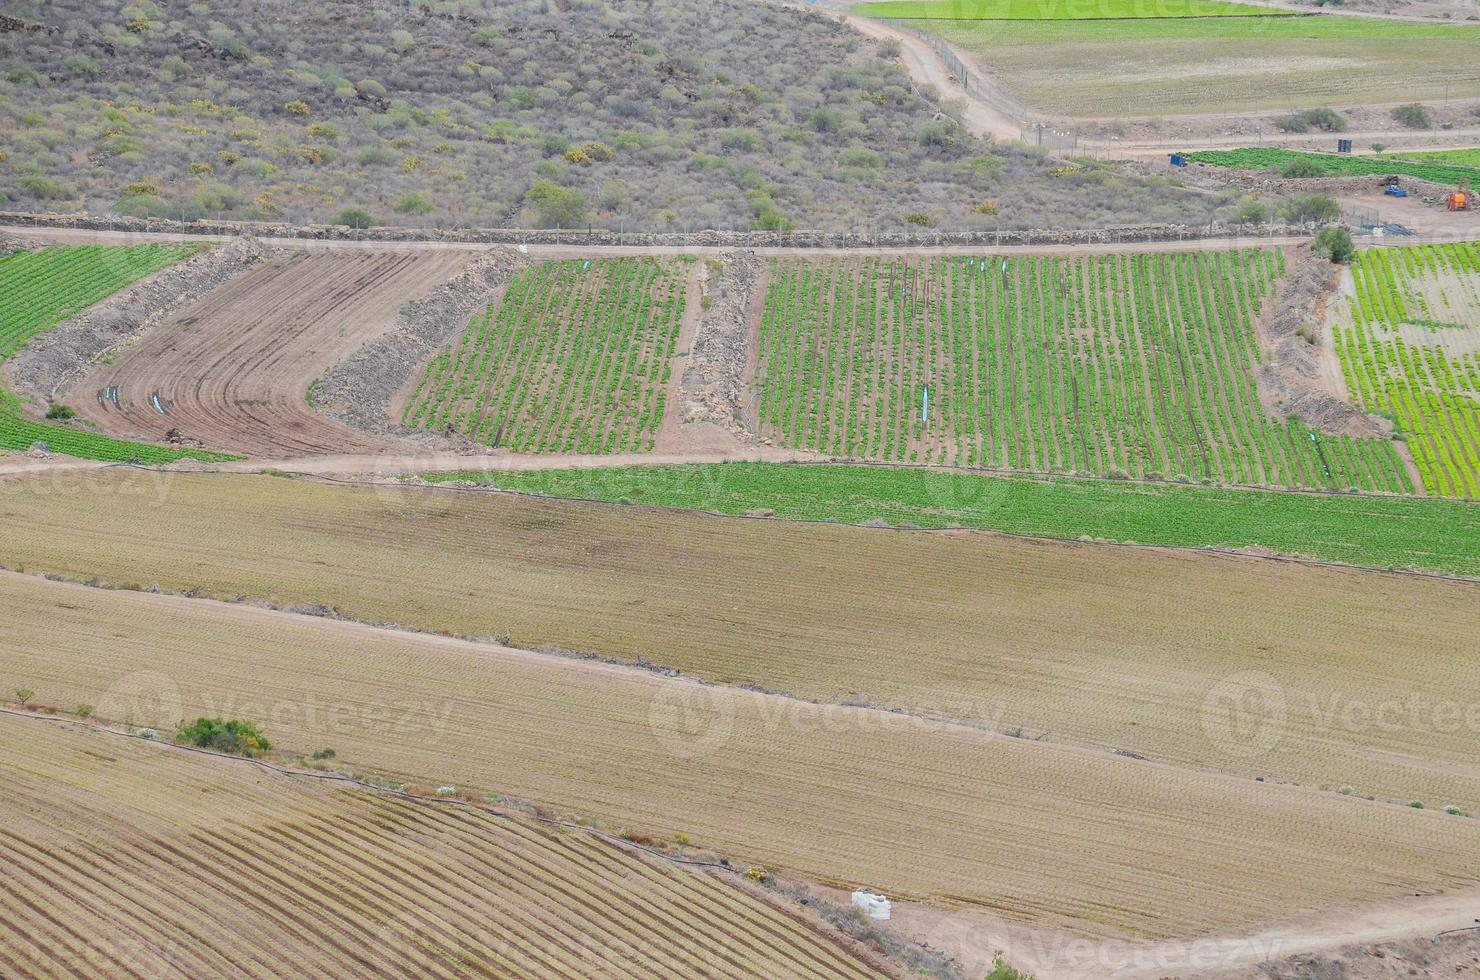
(974, 938)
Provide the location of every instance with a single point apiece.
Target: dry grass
(1033, 831)
(1102, 647)
(218, 869)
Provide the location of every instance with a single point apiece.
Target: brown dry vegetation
(234, 369)
(1035, 832)
(1105, 647)
(168, 864)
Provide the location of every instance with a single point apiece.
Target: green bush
(1251, 213)
(354, 218)
(1313, 208)
(60, 412)
(1301, 167)
(47, 189)
(415, 203)
(557, 207)
(235, 736)
(1414, 116)
(80, 66)
(1334, 244)
(1001, 971)
(1327, 120)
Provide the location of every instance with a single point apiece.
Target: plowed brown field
(1240, 665)
(125, 859)
(956, 817)
(234, 369)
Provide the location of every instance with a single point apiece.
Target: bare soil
(848, 795)
(234, 370)
(134, 859)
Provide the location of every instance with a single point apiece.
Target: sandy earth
(233, 370)
(1139, 137)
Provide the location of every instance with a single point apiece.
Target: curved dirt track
(234, 369)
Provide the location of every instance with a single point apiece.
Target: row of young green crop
(575, 359)
(39, 290)
(1110, 365)
(1338, 165)
(1431, 394)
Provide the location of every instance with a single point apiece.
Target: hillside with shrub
(635, 114)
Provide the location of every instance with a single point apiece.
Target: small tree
(1335, 244)
(23, 695)
(236, 737)
(60, 413)
(1414, 116)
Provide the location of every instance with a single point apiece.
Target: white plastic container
(874, 906)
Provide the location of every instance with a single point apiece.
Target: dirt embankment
(714, 384)
(360, 389)
(1290, 380)
(54, 361)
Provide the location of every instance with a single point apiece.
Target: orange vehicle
(1461, 199)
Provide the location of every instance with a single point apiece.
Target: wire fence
(861, 238)
(1033, 132)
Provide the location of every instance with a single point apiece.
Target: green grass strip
(1374, 531)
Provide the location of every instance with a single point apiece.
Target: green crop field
(1120, 58)
(1134, 365)
(1061, 9)
(1382, 532)
(1430, 167)
(38, 290)
(1467, 158)
(575, 359)
(1409, 343)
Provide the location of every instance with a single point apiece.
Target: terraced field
(945, 626)
(339, 881)
(1140, 59)
(575, 358)
(1409, 343)
(1136, 365)
(39, 290)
